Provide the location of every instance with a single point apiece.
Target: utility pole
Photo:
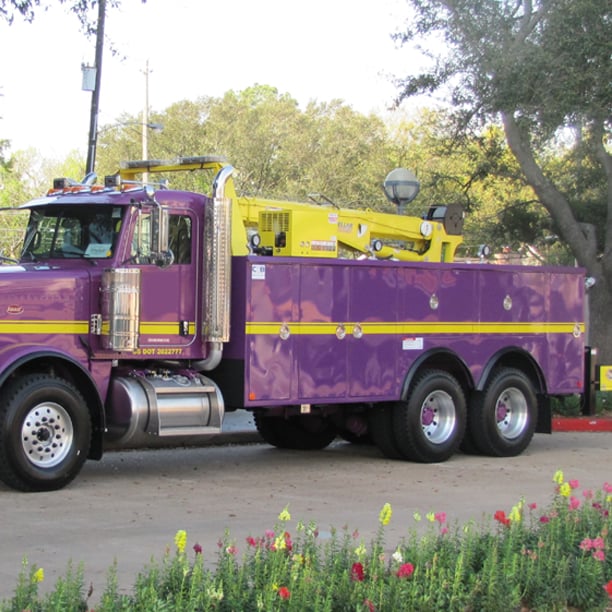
(95, 96)
(145, 121)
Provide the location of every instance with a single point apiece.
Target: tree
(543, 68)
(27, 9)
(476, 170)
(278, 150)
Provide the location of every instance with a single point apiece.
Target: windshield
(75, 231)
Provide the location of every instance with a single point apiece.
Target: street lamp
(144, 126)
(155, 127)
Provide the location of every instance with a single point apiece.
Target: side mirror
(160, 251)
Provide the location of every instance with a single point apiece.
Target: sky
(317, 50)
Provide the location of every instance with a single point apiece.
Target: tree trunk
(582, 243)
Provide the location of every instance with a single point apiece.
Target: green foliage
(555, 558)
(279, 151)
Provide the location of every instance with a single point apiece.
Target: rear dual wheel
(503, 417)
(427, 427)
(299, 432)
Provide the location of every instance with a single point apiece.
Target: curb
(582, 423)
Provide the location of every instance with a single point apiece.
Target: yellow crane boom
(286, 228)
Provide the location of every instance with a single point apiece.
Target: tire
(503, 418)
(380, 426)
(430, 424)
(300, 432)
(45, 433)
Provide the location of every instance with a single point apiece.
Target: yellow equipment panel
(297, 233)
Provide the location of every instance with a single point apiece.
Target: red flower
(357, 573)
(608, 589)
(405, 570)
(500, 517)
(284, 592)
(197, 549)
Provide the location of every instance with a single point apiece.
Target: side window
(180, 238)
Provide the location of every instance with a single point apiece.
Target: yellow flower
(385, 514)
(280, 542)
(417, 517)
(284, 515)
(558, 477)
(180, 539)
(565, 489)
(516, 514)
(430, 516)
(38, 575)
(360, 551)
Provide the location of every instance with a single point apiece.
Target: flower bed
(556, 558)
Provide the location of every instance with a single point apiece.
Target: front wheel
(45, 433)
(503, 419)
(430, 424)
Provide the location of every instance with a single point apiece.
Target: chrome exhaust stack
(217, 266)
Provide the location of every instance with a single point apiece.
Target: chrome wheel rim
(47, 435)
(438, 417)
(511, 413)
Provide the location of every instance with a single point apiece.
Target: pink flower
(284, 592)
(607, 487)
(533, 506)
(252, 542)
(231, 550)
(574, 484)
(440, 517)
(197, 549)
(599, 555)
(574, 503)
(288, 542)
(405, 570)
(544, 519)
(586, 544)
(598, 543)
(588, 494)
(444, 531)
(357, 573)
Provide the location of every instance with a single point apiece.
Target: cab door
(168, 295)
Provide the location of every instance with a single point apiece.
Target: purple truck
(128, 318)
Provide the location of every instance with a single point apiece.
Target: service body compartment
(315, 331)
